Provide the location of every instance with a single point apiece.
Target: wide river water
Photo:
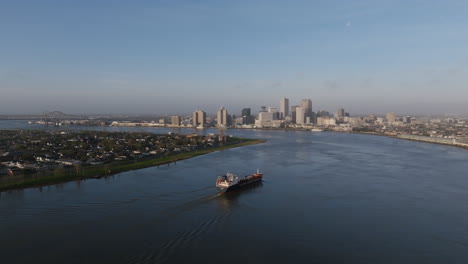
(326, 198)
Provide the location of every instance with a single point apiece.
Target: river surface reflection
(326, 198)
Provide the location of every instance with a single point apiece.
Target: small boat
(316, 130)
(230, 182)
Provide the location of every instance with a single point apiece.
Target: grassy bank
(113, 168)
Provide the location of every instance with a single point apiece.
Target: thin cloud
(348, 24)
(332, 85)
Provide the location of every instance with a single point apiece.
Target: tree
(77, 166)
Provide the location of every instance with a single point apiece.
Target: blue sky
(178, 56)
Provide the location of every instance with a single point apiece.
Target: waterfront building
(199, 118)
(176, 120)
(407, 119)
(391, 118)
(274, 111)
(284, 108)
(194, 118)
(266, 119)
(248, 120)
(355, 121)
(247, 117)
(313, 118)
(339, 115)
(300, 115)
(265, 116)
(222, 117)
(321, 120)
(326, 121)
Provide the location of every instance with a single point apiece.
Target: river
(326, 198)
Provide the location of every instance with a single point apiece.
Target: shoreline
(421, 139)
(431, 142)
(104, 170)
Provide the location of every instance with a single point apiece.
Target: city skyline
(168, 57)
(212, 109)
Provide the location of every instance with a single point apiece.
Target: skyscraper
(222, 117)
(306, 105)
(176, 120)
(293, 113)
(247, 117)
(195, 118)
(284, 108)
(300, 115)
(199, 118)
(245, 112)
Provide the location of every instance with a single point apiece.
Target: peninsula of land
(32, 158)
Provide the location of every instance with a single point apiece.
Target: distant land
(150, 117)
(61, 115)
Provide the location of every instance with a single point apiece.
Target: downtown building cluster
(297, 116)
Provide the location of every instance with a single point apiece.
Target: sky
(172, 56)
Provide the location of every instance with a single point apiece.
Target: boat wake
(192, 233)
(183, 240)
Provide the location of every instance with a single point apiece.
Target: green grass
(113, 168)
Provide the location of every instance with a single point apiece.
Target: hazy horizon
(169, 57)
(435, 110)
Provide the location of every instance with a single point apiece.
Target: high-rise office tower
(284, 108)
(247, 117)
(306, 105)
(245, 112)
(199, 118)
(176, 120)
(300, 115)
(222, 117)
(293, 113)
(195, 118)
